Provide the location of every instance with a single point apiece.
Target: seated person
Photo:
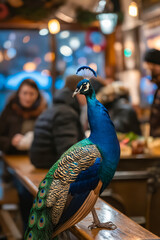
(59, 127)
(115, 98)
(16, 132)
(152, 59)
(18, 118)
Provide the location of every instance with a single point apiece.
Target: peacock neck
(99, 120)
(103, 133)
(92, 115)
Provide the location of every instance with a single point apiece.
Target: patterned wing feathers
(51, 199)
(82, 212)
(68, 169)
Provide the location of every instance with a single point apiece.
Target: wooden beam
(9, 228)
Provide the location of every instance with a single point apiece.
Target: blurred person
(16, 132)
(115, 98)
(18, 118)
(152, 60)
(59, 127)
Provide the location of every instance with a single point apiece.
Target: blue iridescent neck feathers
(103, 133)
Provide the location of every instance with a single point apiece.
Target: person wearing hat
(152, 60)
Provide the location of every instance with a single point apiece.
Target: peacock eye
(84, 87)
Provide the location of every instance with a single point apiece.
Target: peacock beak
(76, 92)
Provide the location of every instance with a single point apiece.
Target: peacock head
(83, 87)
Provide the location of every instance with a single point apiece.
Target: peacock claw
(107, 225)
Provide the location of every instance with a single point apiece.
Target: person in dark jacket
(18, 118)
(115, 98)
(59, 127)
(123, 116)
(152, 58)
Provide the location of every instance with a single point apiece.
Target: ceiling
(67, 11)
(42, 10)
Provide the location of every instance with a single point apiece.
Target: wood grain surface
(126, 228)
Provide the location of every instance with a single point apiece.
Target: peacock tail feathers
(53, 190)
(86, 72)
(40, 216)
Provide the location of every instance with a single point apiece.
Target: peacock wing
(53, 191)
(68, 169)
(82, 212)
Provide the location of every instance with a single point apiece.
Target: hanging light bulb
(108, 18)
(54, 26)
(108, 22)
(133, 9)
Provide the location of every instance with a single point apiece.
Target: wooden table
(138, 162)
(126, 228)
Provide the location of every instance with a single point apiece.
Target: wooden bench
(127, 229)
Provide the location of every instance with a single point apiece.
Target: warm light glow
(133, 9)
(54, 26)
(16, 4)
(93, 66)
(26, 39)
(49, 57)
(154, 42)
(5, 55)
(96, 48)
(29, 67)
(118, 46)
(64, 17)
(1, 56)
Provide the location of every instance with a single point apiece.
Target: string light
(133, 9)
(54, 26)
(29, 67)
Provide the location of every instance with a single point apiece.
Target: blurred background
(110, 36)
(47, 40)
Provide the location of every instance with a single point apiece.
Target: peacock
(72, 185)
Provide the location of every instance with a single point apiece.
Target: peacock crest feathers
(86, 72)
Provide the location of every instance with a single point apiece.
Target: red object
(3, 11)
(89, 42)
(125, 141)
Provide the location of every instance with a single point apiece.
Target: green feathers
(51, 198)
(40, 203)
(43, 183)
(40, 215)
(42, 193)
(30, 236)
(32, 220)
(41, 222)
